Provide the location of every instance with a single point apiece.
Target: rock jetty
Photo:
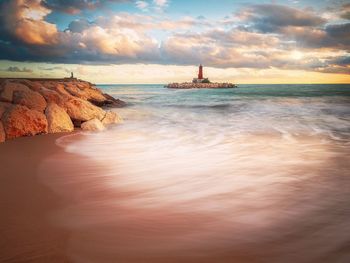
(37, 106)
(192, 85)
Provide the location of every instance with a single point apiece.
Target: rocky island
(201, 83)
(37, 106)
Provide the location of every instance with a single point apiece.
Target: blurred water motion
(257, 174)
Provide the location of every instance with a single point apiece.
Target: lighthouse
(200, 72)
(200, 78)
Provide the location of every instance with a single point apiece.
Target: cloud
(160, 5)
(24, 20)
(259, 37)
(79, 25)
(17, 69)
(76, 6)
(142, 5)
(345, 11)
(273, 17)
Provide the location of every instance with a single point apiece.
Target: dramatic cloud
(76, 6)
(272, 18)
(257, 37)
(24, 20)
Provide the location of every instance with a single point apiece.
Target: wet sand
(27, 234)
(63, 207)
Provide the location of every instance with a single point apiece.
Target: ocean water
(260, 173)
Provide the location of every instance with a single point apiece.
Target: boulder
(20, 121)
(93, 125)
(113, 102)
(58, 120)
(2, 133)
(87, 92)
(75, 91)
(58, 87)
(18, 93)
(33, 85)
(83, 85)
(83, 110)
(32, 99)
(111, 118)
(8, 87)
(52, 96)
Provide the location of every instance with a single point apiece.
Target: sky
(162, 41)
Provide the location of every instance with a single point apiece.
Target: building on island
(200, 78)
(200, 83)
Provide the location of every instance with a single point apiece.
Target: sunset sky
(160, 41)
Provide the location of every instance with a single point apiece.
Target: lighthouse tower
(200, 72)
(200, 78)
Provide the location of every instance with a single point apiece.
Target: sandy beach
(63, 207)
(27, 234)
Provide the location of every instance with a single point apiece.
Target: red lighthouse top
(200, 72)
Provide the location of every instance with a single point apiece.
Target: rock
(113, 102)
(3, 107)
(58, 87)
(52, 96)
(29, 107)
(58, 119)
(111, 118)
(83, 110)
(2, 133)
(87, 92)
(75, 91)
(83, 85)
(33, 85)
(32, 99)
(18, 93)
(20, 121)
(93, 125)
(8, 87)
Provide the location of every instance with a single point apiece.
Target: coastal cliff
(37, 106)
(193, 85)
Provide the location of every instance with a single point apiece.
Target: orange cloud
(25, 19)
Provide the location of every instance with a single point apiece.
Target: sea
(259, 173)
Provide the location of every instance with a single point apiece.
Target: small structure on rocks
(36, 106)
(200, 83)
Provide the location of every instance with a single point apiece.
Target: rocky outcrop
(58, 119)
(20, 121)
(191, 85)
(93, 125)
(36, 106)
